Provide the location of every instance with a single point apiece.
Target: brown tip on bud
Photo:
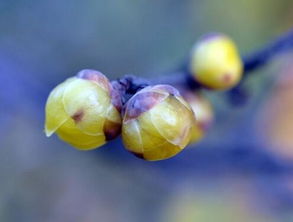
(139, 155)
(77, 117)
(141, 103)
(227, 78)
(111, 130)
(94, 76)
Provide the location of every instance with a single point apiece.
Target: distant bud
(215, 62)
(203, 112)
(83, 111)
(157, 123)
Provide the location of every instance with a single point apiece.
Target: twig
(261, 57)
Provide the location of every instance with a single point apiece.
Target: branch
(239, 94)
(261, 57)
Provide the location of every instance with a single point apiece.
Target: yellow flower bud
(203, 112)
(83, 111)
(157, 123)
(215, 62)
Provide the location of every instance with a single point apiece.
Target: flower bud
(83, 111)
(203, 112)
(215, 62)
(157, 123)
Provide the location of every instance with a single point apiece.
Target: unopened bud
(215, 62)
(203, 112)
(82, 111)
(157, 123)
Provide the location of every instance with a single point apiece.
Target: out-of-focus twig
(262, 56)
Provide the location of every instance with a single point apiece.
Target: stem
(128, 86)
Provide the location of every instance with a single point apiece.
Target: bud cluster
(156, 122)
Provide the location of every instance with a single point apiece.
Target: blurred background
(241, 171)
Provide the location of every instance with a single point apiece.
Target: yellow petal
(74, 136)
(55, 113)
(97, 142)
(149, 145)
(151, 137)
(113, 114)
(173, 121)
(197, 134)
(164, 151)
(132, 137)
(87, 104)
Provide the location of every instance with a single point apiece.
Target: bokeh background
(241, 171)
